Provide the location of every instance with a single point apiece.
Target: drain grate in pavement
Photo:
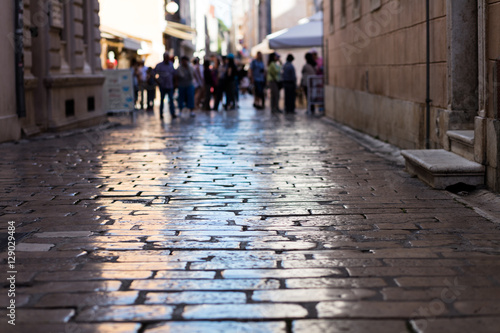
(4, 239)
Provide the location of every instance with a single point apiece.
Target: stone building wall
(9, 123)
(63, 76)
(376, 74)
(487, 123)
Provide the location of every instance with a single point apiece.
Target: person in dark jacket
(165, 73)
(209, 83)
(289, 79)
(230, 82)
(151, 88)
(220, 83)
(185, 76)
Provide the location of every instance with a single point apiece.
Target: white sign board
(118, 90)
(315, 91)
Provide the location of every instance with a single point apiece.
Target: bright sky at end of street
(223, 10)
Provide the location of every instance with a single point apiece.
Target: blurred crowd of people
(219, 81)
(279, 76)
(216, 83)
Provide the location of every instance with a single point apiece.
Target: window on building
(69, 107)
(332, 15)
(91, 104)
(356, 10)
(343, 13)
(375, 4)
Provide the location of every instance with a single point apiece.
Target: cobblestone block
(279, 273)
(368, 310)
(140, 313)
(311, 295)
(338, 325)
(241, 284)
(322, 283)
(219, 327)
(474, 324)
(93, 275)
(73, 286)
(87, 299)
(72, 327)
(43, 316)
(196, 297)
(244, 311)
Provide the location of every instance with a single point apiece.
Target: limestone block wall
(9, 124)
(28, 123)
(69, 91)
(488, 120)
(285, 14)
(376, 67)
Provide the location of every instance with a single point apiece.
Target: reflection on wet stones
(236, 222)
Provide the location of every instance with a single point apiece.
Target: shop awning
(109, 36)
(131, 44)
(179, 30)
(138, 44)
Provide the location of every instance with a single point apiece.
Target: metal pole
(428, 80)
(19, 58)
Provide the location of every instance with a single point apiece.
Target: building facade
(285, 14)
(381, 80)
(10, 123)
(132, 30)
(62, 72)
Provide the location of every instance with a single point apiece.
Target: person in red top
(111, 62)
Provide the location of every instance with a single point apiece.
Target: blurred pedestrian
(274, 80)
(150, 88)
(257, 76)
(185, 86)
(209, 84)
(229, 82)
(308, 69)
(319, 62)
(220, 83)
(141, 77)
(111, 62)
(289, 78)
(244, 81)
(198, 83)
(134, 71)
(165, 72)
(237, 79)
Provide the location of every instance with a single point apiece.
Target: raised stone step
(440, 168)
(462, 143)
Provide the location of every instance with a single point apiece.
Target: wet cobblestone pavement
(237, 222)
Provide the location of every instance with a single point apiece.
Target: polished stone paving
(239, 221)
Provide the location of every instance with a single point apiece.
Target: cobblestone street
(238, 221)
